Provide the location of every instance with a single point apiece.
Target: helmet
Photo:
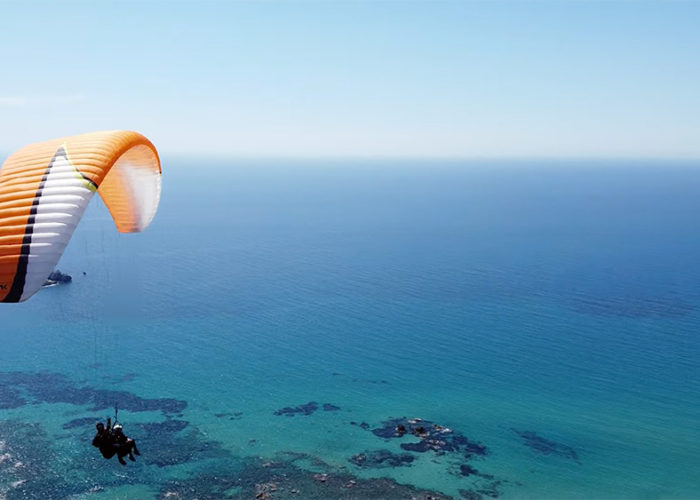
(117, 427)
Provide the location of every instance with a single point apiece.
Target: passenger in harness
(112, 441)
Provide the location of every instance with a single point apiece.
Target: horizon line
(385, 157)
(358, 157)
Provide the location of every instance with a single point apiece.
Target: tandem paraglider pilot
(112, 441)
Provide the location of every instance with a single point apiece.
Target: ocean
(370, 329)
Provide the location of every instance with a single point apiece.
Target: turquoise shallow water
(547, 311)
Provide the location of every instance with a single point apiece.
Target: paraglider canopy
(45, 188)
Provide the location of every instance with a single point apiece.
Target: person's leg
(128, 448)
(136, 450)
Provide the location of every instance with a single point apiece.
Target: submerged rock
(10, 397)
(470, 495)
(305, 409)
(81, 422)
(361, 425)
(467, 470)
(547, 447)
(285, 478)
(379, 459)
(231, 416)
(174, 442)
(47, 387)
(432, 437)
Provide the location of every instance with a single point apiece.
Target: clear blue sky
(358, 78)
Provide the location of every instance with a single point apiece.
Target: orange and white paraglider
(45, 188)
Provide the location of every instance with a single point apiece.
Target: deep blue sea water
(547, 311)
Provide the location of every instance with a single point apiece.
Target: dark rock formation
(547, 447)
(378, 459)
(305, 409)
